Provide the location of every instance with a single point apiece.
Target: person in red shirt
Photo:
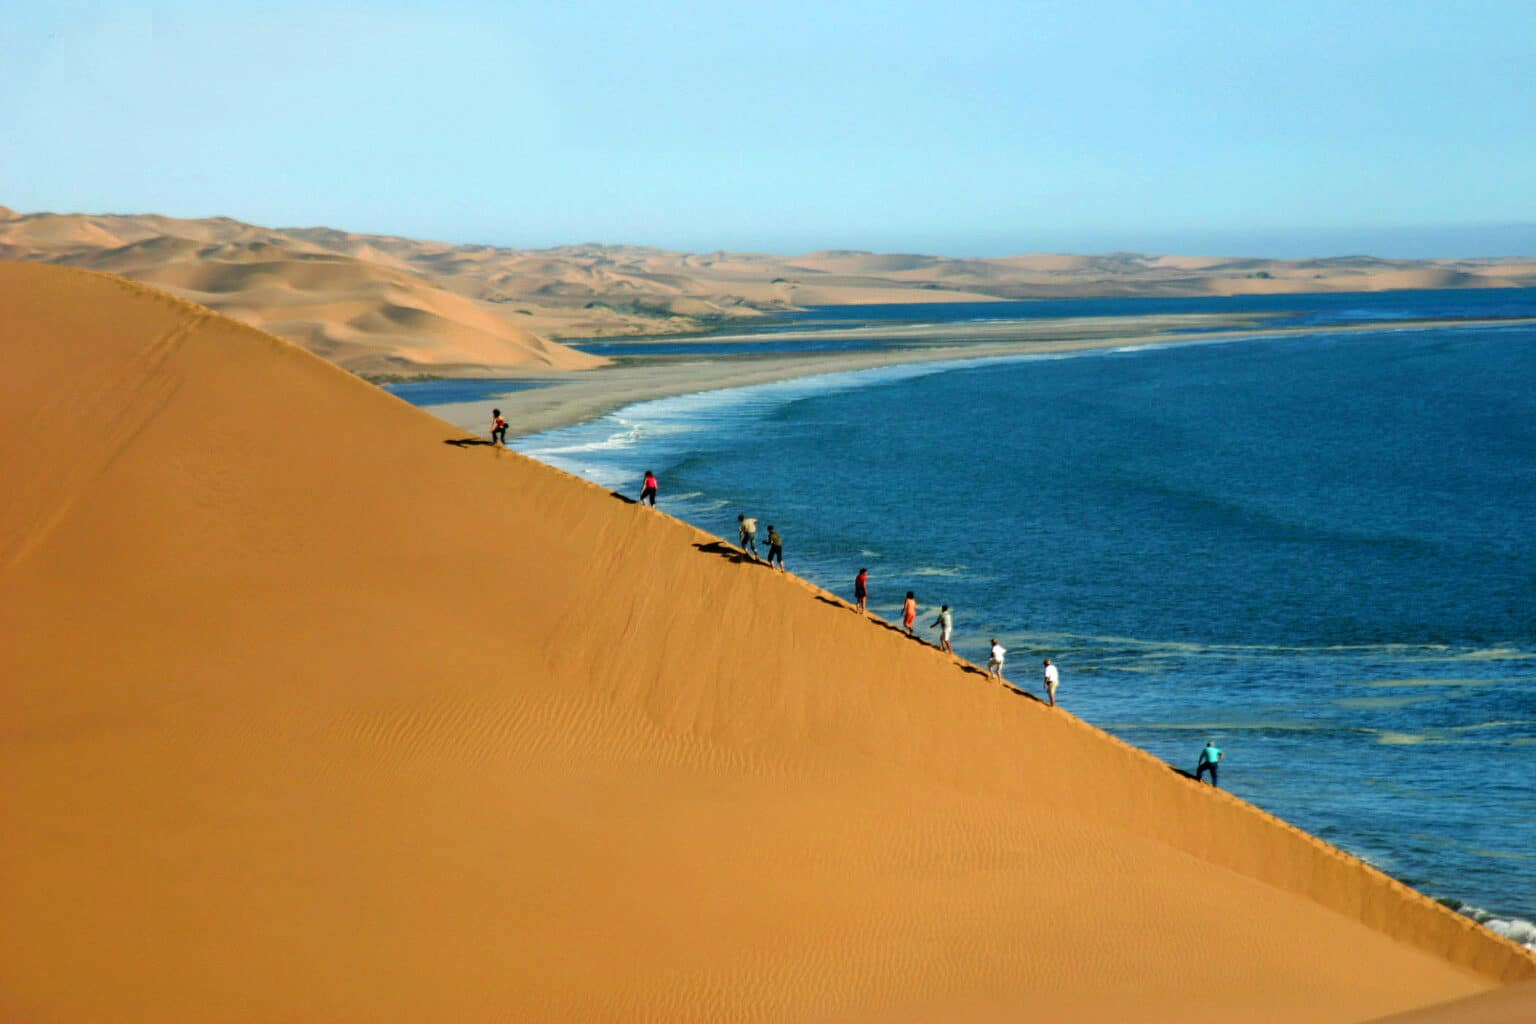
(861, 590)
(498, 428)
(648, 492)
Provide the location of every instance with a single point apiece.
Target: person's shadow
(723, 550)
(469, 442)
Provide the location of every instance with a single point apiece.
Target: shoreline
(569, 398)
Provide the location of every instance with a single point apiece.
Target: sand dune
(368, 313)
(1513, 1004)
(580, 291)
(311, 716)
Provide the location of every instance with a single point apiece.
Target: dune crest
(310, 715)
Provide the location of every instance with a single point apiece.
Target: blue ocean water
(1318, 550)
(446, 392)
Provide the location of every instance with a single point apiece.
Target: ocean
(1318, 550)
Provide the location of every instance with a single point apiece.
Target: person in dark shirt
(775, 547)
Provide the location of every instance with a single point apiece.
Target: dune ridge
(491, 310)
(317, 716)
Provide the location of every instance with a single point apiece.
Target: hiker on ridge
(1210, 757)
(747, 529)
(946, 624)
(775, 547)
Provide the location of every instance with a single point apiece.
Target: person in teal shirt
(1210, 757)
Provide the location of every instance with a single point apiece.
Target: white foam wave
(1516, 929)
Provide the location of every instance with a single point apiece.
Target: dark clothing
(1202, 768)
(648, 495)
(776, 553)
(499, 435)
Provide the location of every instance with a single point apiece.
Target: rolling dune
(583, 291)
(366, 312)
(309, 715)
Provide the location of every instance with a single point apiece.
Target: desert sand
(387, 306)
(1512, 1004)
(310, 715)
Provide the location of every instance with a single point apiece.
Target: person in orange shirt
(909, 612)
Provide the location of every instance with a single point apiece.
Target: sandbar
(572, 397)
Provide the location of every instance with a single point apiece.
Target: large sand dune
(311, 716)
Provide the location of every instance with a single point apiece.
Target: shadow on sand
(1018, 692)
(469, 442)
(723, 550)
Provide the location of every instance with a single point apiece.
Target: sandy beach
(310, 715)
(565, 399)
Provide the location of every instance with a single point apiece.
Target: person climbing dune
(746, 529)
(946, 624)
(775, 547)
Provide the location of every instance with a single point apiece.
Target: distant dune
(366, 310)
(308, 715)
(383, 304)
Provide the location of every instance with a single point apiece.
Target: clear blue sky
(1288, 128)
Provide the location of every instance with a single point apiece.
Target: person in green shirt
(775, 548)
(1210, 757)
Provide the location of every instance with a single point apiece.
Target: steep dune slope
(310, 716)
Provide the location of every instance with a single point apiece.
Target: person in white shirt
(747, 529)
(995, 666)
(1052, 677)
(946, 624)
